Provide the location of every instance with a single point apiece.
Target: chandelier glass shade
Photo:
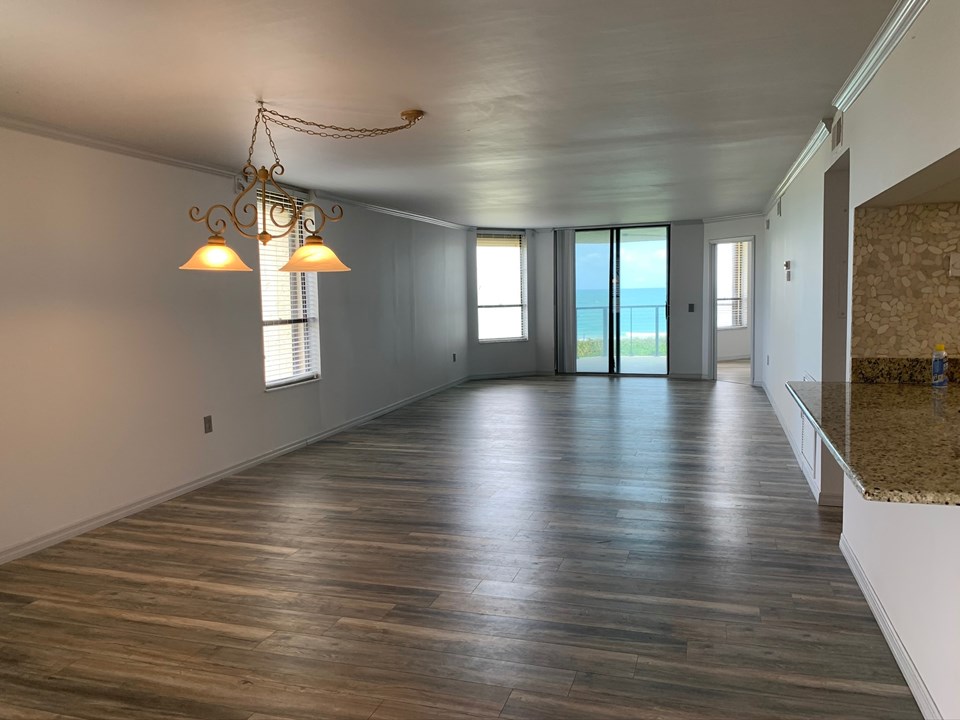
(314, 256)
(215, 255)
(251, 212)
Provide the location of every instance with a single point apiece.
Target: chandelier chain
(341, 133)
(273, 147)
(253, 136)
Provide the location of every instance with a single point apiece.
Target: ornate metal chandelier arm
(216, 225)
(311, 225)
(410, 117)
(245, 220)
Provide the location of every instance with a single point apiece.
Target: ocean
(636, 320)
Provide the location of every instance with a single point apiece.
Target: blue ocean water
(636, 315)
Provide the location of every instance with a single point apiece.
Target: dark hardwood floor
(552, 548)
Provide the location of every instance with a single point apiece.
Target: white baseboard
(508, 375)
(928, 708)
(78, 528)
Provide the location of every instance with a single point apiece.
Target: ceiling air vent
(836, 131)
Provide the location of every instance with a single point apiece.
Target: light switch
(954, 264)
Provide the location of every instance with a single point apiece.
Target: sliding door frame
(614, 361)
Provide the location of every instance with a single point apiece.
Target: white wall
(733, 343)
(517, 357)
(904, 120)
(542, 301)
(111, 355)
(538, 355)
(686, 287)
(508, 358)
(789, 313)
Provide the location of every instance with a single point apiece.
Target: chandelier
(262, 198)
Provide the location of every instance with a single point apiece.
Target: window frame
(521, 236)
(308, 300)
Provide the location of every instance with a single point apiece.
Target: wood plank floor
(556, 548)
(737, 371)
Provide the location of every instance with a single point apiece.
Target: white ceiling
(539, 112)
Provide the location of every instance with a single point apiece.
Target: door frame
(711, 309)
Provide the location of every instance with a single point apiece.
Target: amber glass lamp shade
(314, 256)
(216, 256)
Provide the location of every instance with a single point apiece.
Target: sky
(643, 260)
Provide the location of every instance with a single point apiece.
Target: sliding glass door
(621, 300)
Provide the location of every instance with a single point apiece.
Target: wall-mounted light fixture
(250, 220)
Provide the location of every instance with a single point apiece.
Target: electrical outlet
(207, 424)
(954, 265)
(454, 357)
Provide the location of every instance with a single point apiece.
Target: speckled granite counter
(898, 443)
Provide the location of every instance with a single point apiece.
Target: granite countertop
(898, 443)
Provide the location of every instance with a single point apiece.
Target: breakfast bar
(899, 448)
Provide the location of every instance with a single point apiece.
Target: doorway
(731, 263)
(622, 314)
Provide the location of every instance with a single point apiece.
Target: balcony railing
(593, 336)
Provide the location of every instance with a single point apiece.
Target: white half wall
(111, 356)
(908, 554)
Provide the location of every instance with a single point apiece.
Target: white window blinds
(291, 328)
(501, 287)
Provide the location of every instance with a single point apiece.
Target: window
(291, 327)
(732, 291)
(501, 287)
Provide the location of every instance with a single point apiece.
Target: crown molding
(889, 35)
(613, 226)
(895, 26)
(809, 150)
(390, 211)
(738, 216)
(55, 133)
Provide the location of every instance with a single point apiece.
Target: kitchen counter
(897, 443)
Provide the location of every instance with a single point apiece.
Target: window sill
(298, 383)
(735, 327)
(504, 340)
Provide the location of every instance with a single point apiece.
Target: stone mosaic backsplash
(903, 300)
